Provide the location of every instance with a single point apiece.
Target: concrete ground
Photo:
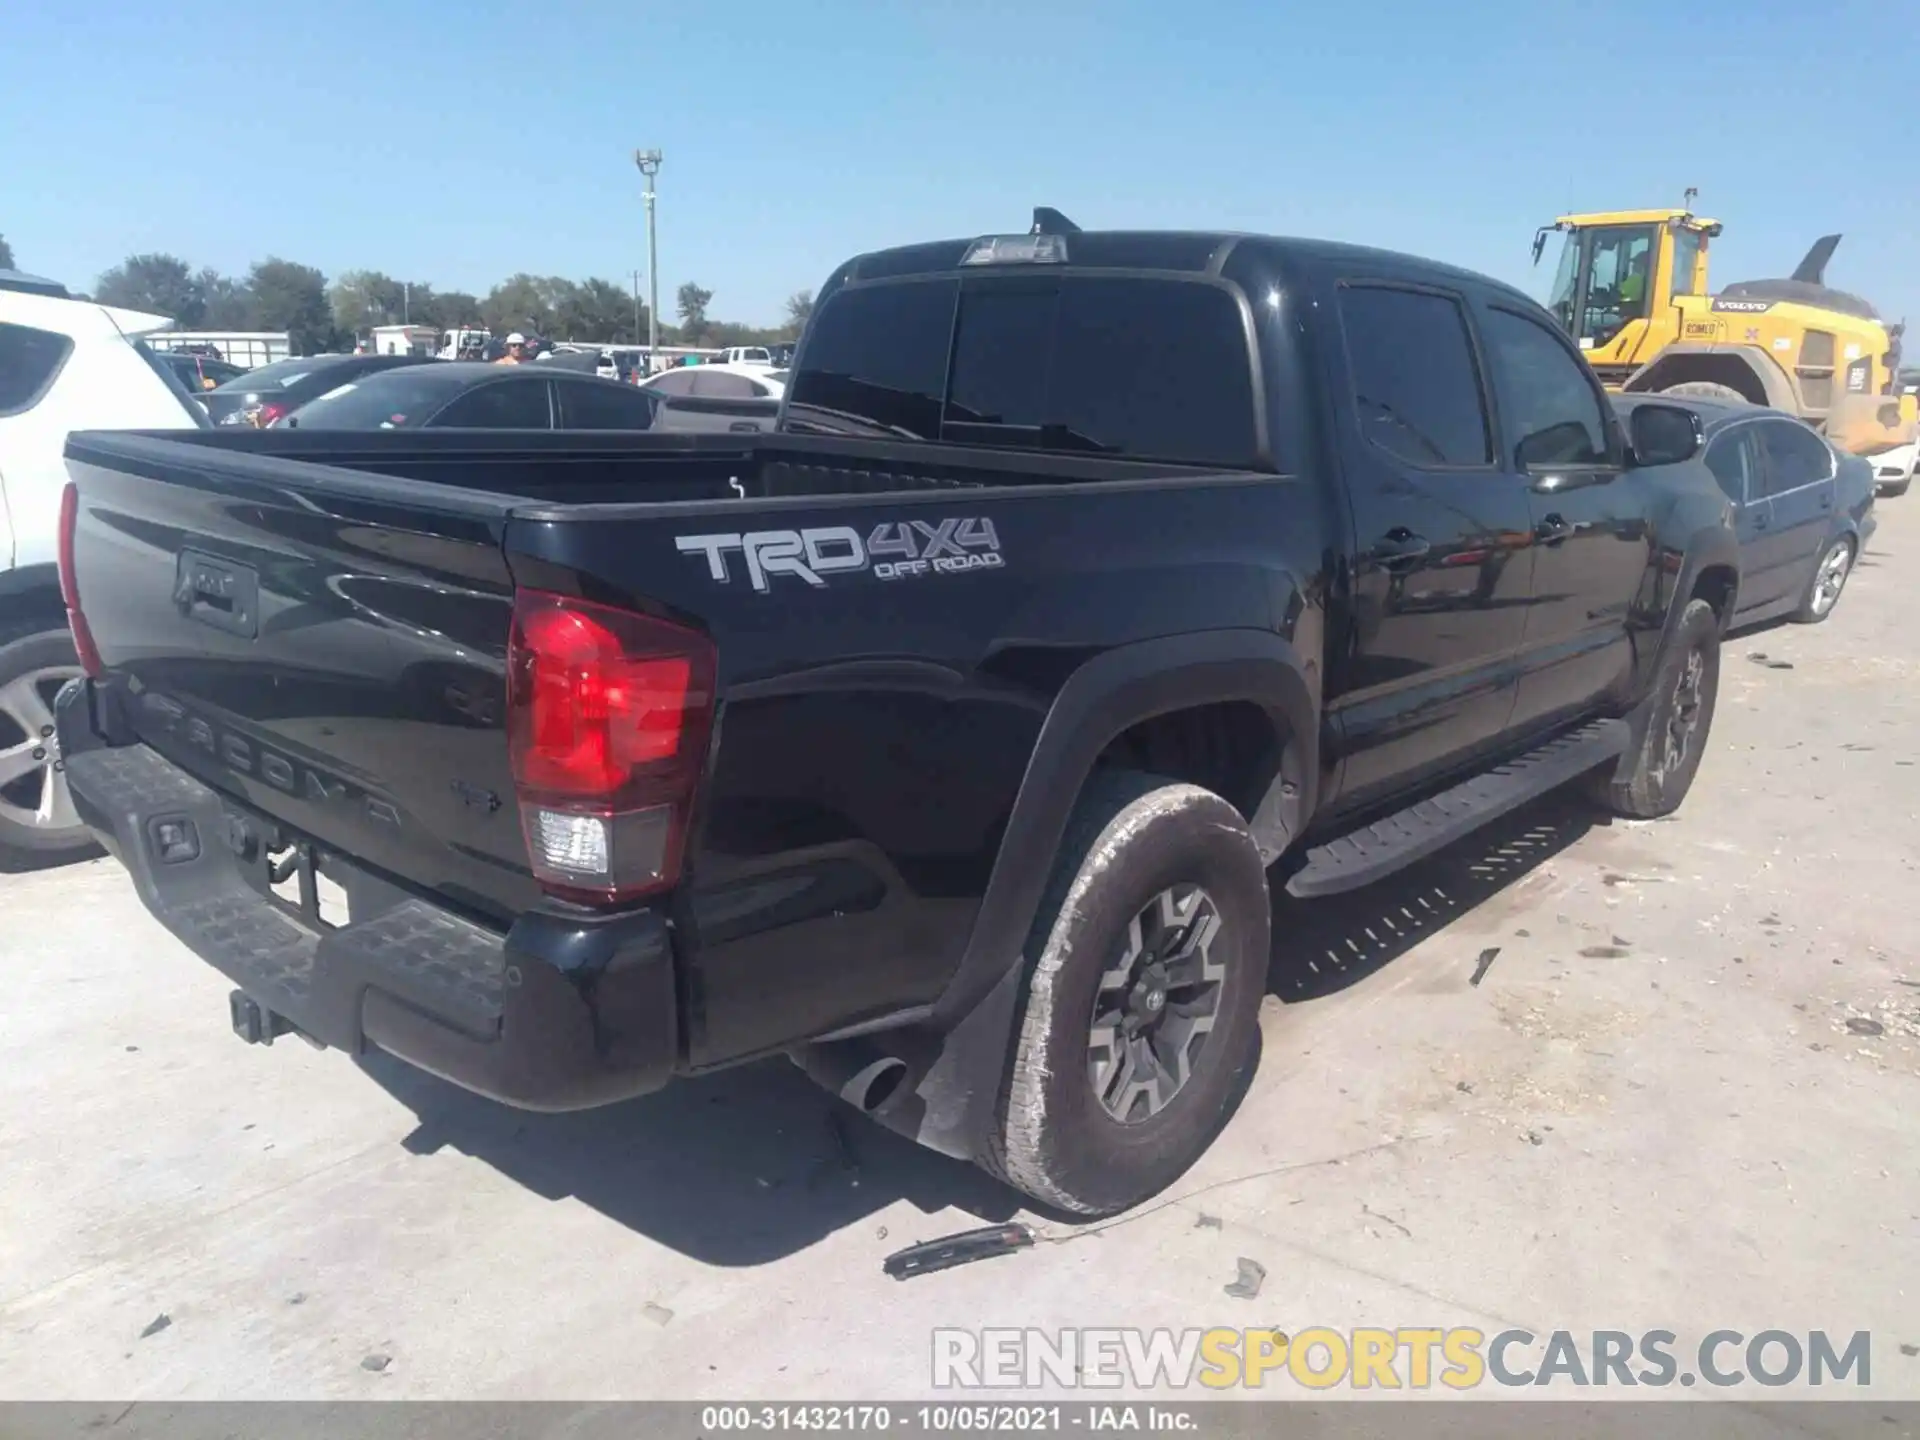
(1685, 1095)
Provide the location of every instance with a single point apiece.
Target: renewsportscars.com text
(1405, 1358)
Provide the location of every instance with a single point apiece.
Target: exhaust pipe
(857, 1071)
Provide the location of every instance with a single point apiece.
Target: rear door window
(1796, 457)
(1416, 386)
(501, 405)
(30, 361)
(585, 406)
(1146, 369)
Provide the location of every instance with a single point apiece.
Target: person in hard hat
(516, 350)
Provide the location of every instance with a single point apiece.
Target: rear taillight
(608, 714)
(70, 584)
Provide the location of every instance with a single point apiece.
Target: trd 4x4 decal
(895, 550)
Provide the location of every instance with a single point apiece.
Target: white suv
(65, 364)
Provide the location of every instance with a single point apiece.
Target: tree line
(321, 315)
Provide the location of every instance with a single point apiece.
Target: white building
(419, 340)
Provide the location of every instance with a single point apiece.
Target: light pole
(649, 163)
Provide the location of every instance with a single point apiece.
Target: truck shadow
(750, 1165)
(741, 1167)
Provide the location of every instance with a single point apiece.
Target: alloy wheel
(1156, 1005)
(1831, 578)
(1683, 719)
(33, 782)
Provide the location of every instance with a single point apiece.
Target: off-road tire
(1810, 610)
(1641, 785)
(1708, 390)
(28, 645)
(1132, 836)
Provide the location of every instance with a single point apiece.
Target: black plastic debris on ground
(1483, 964)
(962, 1248)
(157, 1324)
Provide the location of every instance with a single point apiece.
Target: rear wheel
(1706, 390)
(1147, 963)
(37, 819)
(1829, 578)
(1670, 726)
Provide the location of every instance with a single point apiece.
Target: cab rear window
(1132, 368)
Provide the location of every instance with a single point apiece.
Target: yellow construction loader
(1631, 289)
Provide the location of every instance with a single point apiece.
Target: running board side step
(1378, 850)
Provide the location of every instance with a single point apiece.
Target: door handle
(1761, 519)
(1552, 530)
(1399, 548)
(1826, 499)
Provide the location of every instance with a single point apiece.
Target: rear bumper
(560, 1013)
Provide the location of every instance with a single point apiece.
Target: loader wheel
(1707, 390)
(1146, 962)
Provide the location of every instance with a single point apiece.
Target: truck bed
(316, 627)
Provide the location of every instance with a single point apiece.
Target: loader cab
(1618, 274)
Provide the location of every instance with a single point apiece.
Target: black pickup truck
(948, 738)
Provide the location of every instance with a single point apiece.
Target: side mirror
(1664, 434)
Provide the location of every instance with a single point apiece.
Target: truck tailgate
(328, 647)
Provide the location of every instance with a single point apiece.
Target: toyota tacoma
(952, 737)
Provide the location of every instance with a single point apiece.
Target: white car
(65, 364)
(1893, 470)
(732, 382)
(746, 355)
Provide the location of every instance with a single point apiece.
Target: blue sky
(457, 143)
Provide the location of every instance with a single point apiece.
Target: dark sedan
(1803, 510)
(260, 397)
(474, 396)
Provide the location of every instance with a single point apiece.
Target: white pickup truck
(65, 364)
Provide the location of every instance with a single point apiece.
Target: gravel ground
(1682, 1096)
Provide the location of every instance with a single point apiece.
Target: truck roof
(1190, 251)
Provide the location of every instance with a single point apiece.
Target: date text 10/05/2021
(945, 1418)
